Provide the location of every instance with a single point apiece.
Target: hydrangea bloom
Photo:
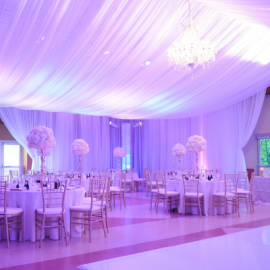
(41, 137)
(119, 152)
(47, 152)
(179, 150)
(196, 144)
(79, 147)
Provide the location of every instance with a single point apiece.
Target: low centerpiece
(41, 138)
(119, 152)
(79, 147)
(196, 144)
(179, 150)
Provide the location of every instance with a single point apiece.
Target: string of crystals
(191, 51)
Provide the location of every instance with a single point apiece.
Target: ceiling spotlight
(113, 124)
(147, 63)
(138, 124)
(106, 52)
(42, 38)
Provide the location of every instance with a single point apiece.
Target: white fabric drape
(52, 56)
(67, 127)
(226, 131)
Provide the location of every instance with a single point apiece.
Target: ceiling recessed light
(42, 38)
(107, 52)
(147, 63)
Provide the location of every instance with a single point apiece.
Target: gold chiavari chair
(163, 195)
(192, 196)
(229, 196)
(53, 198)
(117, 191)
(242, 181)
(91, 212)
(129, 180)
(244, 195)
(139, 182)
(153, 189)
(6, 213)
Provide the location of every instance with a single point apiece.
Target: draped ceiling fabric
(226, 131)
(52, 56)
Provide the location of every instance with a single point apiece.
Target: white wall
(262, 127)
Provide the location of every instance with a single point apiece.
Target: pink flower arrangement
(79, 147)
(41, 137)
(119, 152)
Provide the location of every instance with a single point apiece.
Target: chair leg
(124, 198)
(7, 231)
(90, 227)
(70, 226)
(42, 229)
(225, 207)
(151, 201)
(157, 202)
(199, 202)
(22, 227)
(103, 223)
(65, 229)
(106, 216)
(120, 200)
(184, 206)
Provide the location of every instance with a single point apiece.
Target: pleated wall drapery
(226, 132)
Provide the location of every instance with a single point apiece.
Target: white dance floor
(243, 250)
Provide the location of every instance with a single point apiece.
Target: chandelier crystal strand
(191, 51)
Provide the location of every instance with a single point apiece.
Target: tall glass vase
(80, 167)
(197, 162)
(179, 164)
(42, 164)
(119, 164)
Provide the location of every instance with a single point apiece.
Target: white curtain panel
(67, 127)
(226, 131)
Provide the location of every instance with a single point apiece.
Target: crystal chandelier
(191, 51)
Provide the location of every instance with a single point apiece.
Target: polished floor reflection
(136, 230)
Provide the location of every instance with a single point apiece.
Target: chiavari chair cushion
(51, 211)
(246, 192)
(139, 179)
(195, 194)
(99, 203)
(169, 193)
(222, 194)
(116, 189)
(85, 208)
(10, 211)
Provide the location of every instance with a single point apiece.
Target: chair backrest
(231, 183)
(129, 176)
(191, 183)
(117, 179)
(53, 197)
(124, 179)
(98, 189)
(160, 179)
(4, 178)
(242, 180)
(3, 191)
(13, 174)
(76, 179)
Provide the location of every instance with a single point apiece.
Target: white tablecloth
(85, 181)
(30, 200)
(206, 187)
(261, 189)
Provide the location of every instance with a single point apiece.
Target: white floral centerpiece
(41, 138)
(79, 147)
(196, 144)
(179, 150)
(119, 152)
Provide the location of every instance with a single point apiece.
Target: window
(10, 157)
(126, 145)
(264, 157)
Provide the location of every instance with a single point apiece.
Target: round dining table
(207, 188)
(30, 200)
